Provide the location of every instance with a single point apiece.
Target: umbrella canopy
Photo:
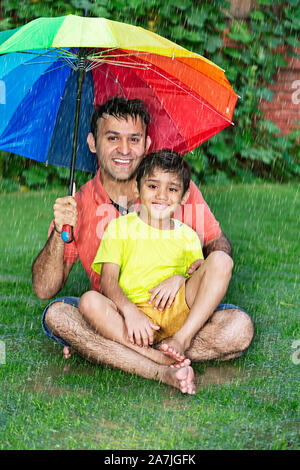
(189, 98)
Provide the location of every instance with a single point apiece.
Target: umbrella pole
(80, 81)
(67, 230)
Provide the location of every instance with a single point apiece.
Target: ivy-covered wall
(251, 46)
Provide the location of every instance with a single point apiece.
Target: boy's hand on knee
(165, 292)
(139, 328)
(195, 265)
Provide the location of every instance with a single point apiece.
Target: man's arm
(221, 243)
(49, 271)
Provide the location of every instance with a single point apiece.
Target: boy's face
(161, 193)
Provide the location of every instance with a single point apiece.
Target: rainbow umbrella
(54, 70)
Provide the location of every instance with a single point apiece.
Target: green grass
(249, 403)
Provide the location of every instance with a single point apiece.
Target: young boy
(148, 251)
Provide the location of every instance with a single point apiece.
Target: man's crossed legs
(225, 334)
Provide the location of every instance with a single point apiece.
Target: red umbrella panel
(189, 100)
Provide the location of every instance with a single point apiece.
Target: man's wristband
(56, 229)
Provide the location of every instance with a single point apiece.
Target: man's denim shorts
(74, 301)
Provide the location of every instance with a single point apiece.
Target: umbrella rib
(189, 93)
(37, 55)
(57, 68)
(61, 59)
(102, 52)
(69, 63)
(123, 54)
(120, 64)
(38, 63)
(66, 52)
(113, 77)
(154, 92)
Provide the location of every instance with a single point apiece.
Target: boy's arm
(139, 327)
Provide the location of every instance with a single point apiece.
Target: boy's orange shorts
(171, 319)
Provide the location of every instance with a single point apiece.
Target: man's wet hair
(166, 160)
(120, 108)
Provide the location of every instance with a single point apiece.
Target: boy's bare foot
(68, 352)
(173, 348)
(160, 357)
(182, 378)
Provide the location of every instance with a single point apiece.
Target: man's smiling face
(121, 145)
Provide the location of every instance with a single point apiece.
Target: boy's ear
(91, 142)
(185, 197)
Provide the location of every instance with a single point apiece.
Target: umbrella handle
(67, 233)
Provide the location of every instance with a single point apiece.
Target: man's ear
(91, 142)
(185, 197)
(147, 144)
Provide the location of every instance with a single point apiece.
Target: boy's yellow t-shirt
(146, 255)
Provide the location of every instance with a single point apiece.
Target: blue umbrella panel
(37, 109)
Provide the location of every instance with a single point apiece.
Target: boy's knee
(90, 299)
(221, 262)
(86, 301)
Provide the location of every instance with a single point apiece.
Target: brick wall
(284, 109)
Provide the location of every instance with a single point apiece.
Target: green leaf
(213, 44)
(219, 179)
(181, 4)
(220, 150)
(82, 4)
(198, 18)
(293, 41)
(100, 12)
(179, 33)
(294, 54)
(239, 32)
(269, 126)
(235, 53)
(279, 61)
(35, 176)
(257, 15)
(265, 93)
(265, 2)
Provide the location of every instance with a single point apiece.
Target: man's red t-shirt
(95, 211)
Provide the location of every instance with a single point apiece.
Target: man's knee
(60, 315)
(54, 314)
(240, 329)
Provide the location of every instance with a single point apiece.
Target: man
(120, 140)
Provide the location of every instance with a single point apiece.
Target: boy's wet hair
(168, 161)
(120, 108)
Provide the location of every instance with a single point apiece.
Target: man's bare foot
(68, 352)
(182, 378)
